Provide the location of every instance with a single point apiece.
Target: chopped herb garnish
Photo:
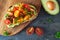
(29, 13)
(25, 9)
(49, 20)
(5, 33)
(57, 35)
(6, 15)
(16, 20)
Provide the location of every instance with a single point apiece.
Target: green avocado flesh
(51, 12)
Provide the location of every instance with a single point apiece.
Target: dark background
(50, 27)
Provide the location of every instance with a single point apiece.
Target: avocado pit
(51, 5)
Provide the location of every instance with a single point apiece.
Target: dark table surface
(50, 28)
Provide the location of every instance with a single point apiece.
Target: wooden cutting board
(5, 4)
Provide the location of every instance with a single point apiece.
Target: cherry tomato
(21, 10)
(27, 6)
(16, 13)
(15, 8)
(30, 30)
(7, 21)
(39, 31)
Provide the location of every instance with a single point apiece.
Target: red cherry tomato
(27, 6)
(7, 21)
(39, 31)
(30, 30)
(15, 8)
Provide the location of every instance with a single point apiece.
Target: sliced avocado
(55, 11)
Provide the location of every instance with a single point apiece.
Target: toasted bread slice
(17, 29)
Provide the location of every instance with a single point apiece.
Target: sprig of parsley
(5, 33)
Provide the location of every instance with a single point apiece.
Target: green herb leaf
(29, 13)
(16, 20)
(57, 35)
(49, 20)
(6, 15)
(5, 33)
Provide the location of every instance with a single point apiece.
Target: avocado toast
(11, 30)
(18, 14)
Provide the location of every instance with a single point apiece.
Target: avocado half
(51, 12)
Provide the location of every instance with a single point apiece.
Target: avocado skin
(51, 12)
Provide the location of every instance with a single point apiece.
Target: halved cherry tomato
(15, 8)
(20, 20)
(27, 17)
(21, 10)
(39, 31)
(16, 13)
(27, 6)
(7, 21)
(30, 30)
